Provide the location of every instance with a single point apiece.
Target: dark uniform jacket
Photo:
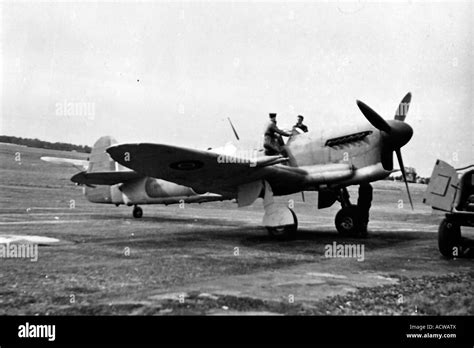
(272, 139)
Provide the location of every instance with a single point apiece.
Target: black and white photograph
(202, 159)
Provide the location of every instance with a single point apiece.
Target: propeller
(235, 132)
(402, 168)
(395, 134)
(374, 118)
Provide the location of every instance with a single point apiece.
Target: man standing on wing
(273, 142)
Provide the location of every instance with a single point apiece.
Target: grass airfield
(215, 258)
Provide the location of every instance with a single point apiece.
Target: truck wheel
(449, 239)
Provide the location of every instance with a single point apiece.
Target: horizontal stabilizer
(104, 178)
(76, 163)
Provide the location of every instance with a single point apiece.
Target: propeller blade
(375, 119)
(387, 158)
(402, 168)
(235, 132)
(403, 107)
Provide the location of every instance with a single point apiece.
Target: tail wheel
(137, 212)
(348, 221)
(449, 239)
(285, 232)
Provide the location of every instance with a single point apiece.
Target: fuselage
(352, 154)
(147, 191)
(312, 148)
(337, 147)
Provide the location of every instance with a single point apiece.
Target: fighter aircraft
(327, 162)
(106, 181)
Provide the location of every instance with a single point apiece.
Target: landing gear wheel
(285, 232)
(137, 212)
(449, 239)
(348, 221)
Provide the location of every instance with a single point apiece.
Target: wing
(207, 171)
(204, 171)
(104, 178)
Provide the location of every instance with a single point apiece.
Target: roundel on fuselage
(186, 165)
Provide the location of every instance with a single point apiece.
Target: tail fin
(102, 169)
(100, 160)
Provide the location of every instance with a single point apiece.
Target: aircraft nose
(400, 133)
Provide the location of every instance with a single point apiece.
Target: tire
(285, 232)
(348, 221)
(137, 212)
(449, 237)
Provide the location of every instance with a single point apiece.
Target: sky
(173, 72)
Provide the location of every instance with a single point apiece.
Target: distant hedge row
(44, 144)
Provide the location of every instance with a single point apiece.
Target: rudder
(99, 160)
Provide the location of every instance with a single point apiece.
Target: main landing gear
(284, 232)
(280, 221)
(352, 219)
(137, 212)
